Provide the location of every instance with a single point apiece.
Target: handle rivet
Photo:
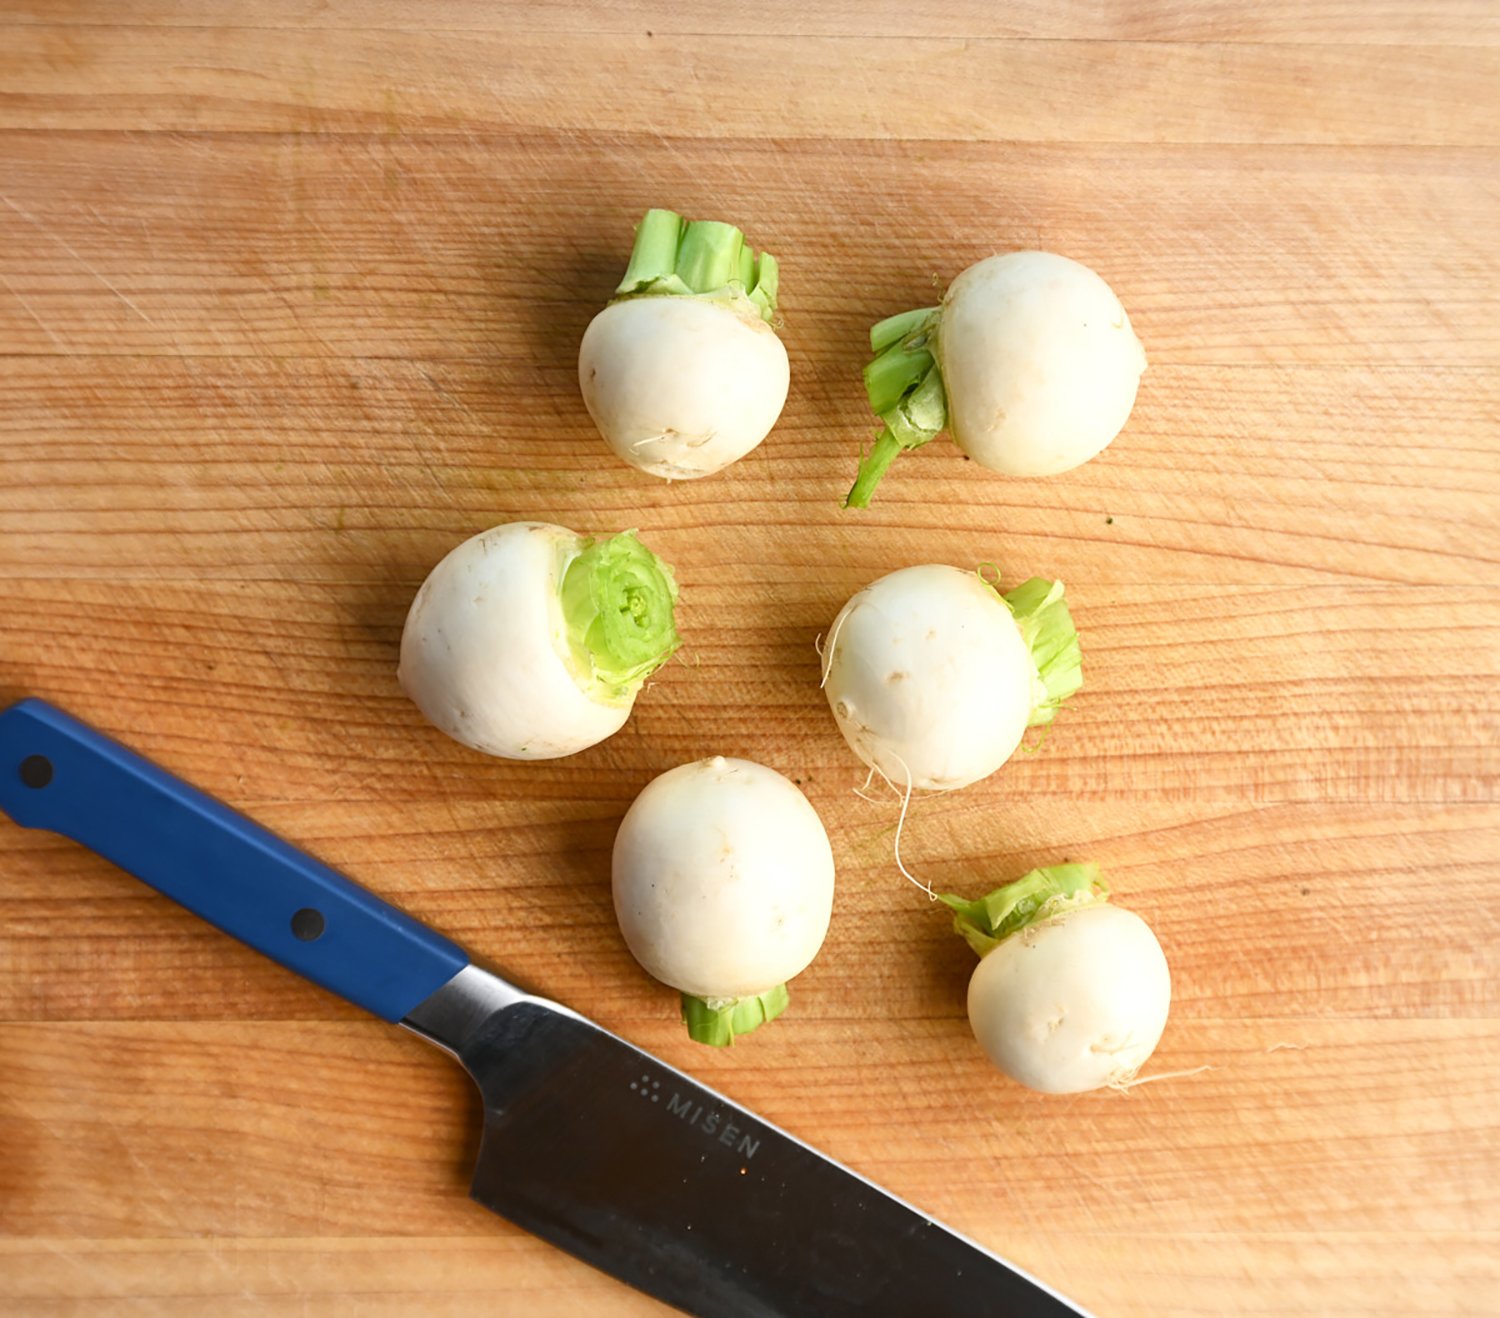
(36, 771)
(308, 924)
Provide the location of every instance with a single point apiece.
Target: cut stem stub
(988, 921)
(719, 1021)
(673, 257)
(904, 384)
(1042, 614)
(617, 602)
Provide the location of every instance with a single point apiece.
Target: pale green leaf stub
(902, 325)
(709, 256)
(719, 1021)
(765, 285)
(904, 384)
(894, 374)
(988, 921)
(709, 259)
(654, 255)
(925, 411)
(617, 602)
(1042, 614)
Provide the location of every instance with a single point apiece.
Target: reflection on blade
(611, 1155)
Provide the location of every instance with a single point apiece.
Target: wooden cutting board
(290, 296)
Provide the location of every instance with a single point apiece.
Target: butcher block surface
(290, 301)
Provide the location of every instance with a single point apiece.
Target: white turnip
(934, 676)
(682, 372)
(723, 887)
(1070, 993)
(531, 642)
(1030, 363)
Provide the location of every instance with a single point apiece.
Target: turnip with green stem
(530, 641)
(682, 372)
(934, 676)
(1070, 993)
(1030, 363)
(723, 887)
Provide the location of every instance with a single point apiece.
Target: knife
(588, 1142)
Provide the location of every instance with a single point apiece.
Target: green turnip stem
(894, 374)
(673, 257)
(617, 600)
(923, 414)
(872, 466)
(1042, 614)
(719, 1021)
(654, 256)
(895, 328)
(916, 420)
(905, 387)
(710, 255)
(767, 281)
(988, 921)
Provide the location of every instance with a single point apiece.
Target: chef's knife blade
(588, 1142)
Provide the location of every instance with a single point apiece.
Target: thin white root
(900, 824)
(1125, 1086)
(895, 791)
(1277, 1047)
(863, 791)
(825, 652)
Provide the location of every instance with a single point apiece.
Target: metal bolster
(450, 1016)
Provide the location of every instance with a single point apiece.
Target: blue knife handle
(58, 774)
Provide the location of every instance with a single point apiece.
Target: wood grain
(290, 295)
(745, 85)
(371, 469)
(1383, 22)
(333, 1131)
(461, 1276)
(216, 244)
(1226, 693)
(516, 877)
